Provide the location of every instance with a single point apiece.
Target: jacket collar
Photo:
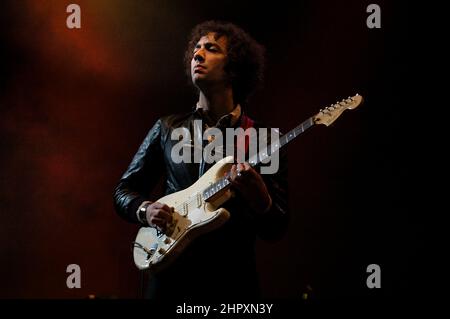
(227, 120)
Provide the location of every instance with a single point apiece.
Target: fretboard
(223, 183)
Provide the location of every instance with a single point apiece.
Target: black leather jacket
(233, 243)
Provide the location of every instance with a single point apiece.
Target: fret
(283, 140)
(215, 188)
(290, 136)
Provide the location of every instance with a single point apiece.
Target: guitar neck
(282, 141)
(292, 134)
(224, 183)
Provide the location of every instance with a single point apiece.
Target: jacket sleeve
(272, 225)
(142, 175)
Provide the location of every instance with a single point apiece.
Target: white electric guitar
(198, 208)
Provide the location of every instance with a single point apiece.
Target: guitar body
(192, 217)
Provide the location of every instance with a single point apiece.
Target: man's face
(208, 61)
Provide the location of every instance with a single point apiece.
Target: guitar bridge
(150, 252)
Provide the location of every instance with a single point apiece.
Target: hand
(159, 215)
(251, 186)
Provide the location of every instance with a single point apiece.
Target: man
(225, 65)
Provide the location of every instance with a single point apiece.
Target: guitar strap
(245, 123)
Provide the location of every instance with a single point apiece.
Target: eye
(212, 47)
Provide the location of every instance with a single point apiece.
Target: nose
(198, 56)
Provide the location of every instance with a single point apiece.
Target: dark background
(76, 104)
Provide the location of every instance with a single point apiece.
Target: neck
(217, 103)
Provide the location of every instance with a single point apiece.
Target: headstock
(329, 114)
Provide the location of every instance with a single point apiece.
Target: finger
(163, 207)
(239, 186)
(167, 208)
(158, 205)
(250, 171)
(167, 216)
(155, 221)
(236, 177)
(238, 170)
(241, 170)
(233, 172)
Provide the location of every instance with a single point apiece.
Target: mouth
(199, 69)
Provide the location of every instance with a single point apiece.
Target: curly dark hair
(245, 57)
